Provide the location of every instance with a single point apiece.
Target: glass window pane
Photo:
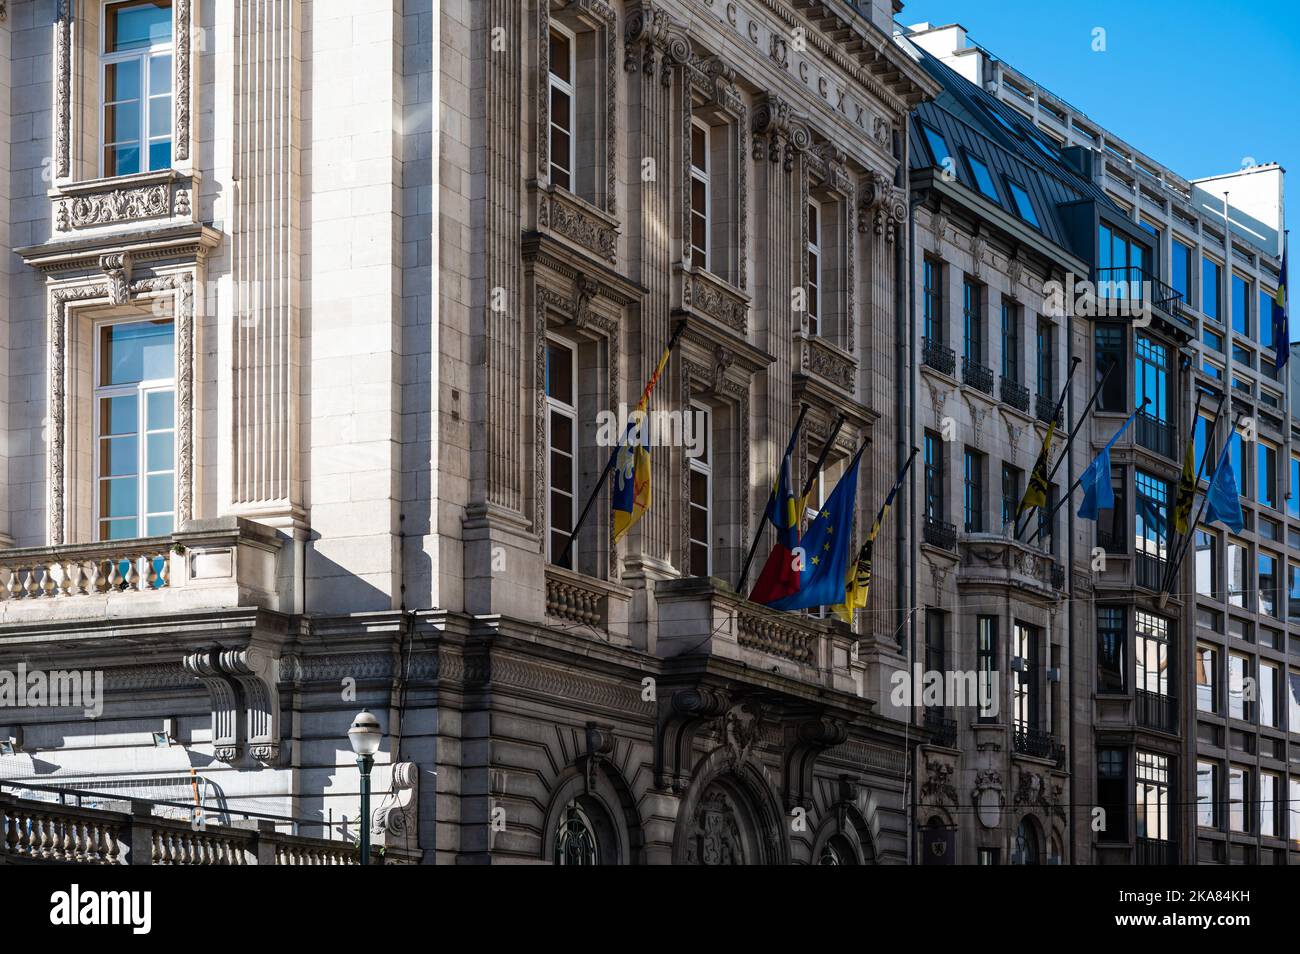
(121, 160)
(121, 81)
(118, 497)
(160, 118)
(161, 491)
(138, 25)
(139, 351)
(159, 526)
(122, 122)
(118, 456)
(561, 434)
(160, 74)
(562, 467)
(699, 148)
(559, 372)
(161, 451)
(160, 154)
(117, 415)
(160, 410)
(117, 529)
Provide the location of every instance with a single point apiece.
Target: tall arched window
(1026, 847)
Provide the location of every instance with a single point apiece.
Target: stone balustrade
(572, 598)
(38, 832)
(208, 564)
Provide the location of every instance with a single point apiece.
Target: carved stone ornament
(742, 727)
(558, 215)
(884, 206)
(938, 788)
(777, 132)
(988, 798)
(112, 206)
(715, 832)
(397, 822)
(652, 35)
(117, 266)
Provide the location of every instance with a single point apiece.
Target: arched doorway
(584, 834)
(1027, 847)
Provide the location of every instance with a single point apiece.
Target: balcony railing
(1038, 744)
(1045, 409)
(1156, 851)
(1156, 711)
(1058, 576)
(943, 729)
(1150, 571)
(1155, 434)
(1014, 394)
(976, 375)
(1129, 283)
(940, 534)
(938, 356)
(1112, 542)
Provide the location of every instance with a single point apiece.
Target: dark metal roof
(974, 123)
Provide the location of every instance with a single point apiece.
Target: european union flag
(825, 547)
(1098, 494)
(1223, 496)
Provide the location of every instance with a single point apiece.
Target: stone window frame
(73, 307)
(578, 16)
(81, 200)
(709, 93)
(69, 48)
(828, 181)
(727, 398)
(570, 313)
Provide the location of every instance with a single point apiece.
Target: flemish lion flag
(1186, 488)
(631, 494)
(1036, 492)
(857, 585)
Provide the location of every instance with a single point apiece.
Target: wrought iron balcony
(1156, 711)
(1156, 851)
(1039, 744)
(940, 534)
(1150, 571)
(938, 356)
(976, 375)
(1014, 393)
(1134, 285)
(1058, 576)
(1112, 542)
(1155, 434)
(1045, 407)
(944, 730)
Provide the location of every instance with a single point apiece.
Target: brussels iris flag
(1223, 496)
(1098, 494)
(824, 548)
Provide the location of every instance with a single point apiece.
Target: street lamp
(364, 736)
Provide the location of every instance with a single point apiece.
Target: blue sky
(1198, 86)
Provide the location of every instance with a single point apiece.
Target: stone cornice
(185, 242)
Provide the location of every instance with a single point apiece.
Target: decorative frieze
(825, 361)
(143, 198)
(703, 293)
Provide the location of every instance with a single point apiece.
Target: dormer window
(137, 76)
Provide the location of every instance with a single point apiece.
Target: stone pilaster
(265, 261)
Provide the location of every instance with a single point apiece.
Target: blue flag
(825, 548)
(1223, 495)
(1098, 494)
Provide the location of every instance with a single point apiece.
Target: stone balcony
(214, 564)
(572, 598)
(706, 617)
(994, 560)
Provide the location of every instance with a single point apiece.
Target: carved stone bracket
(255, 672)
(652, 35)
(778, 132)
(600, 745)
(397, 823)
(681, 715)
(805, 741)
(884, 206)
(224, 697)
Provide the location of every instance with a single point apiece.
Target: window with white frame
(700, 195)
(136, 87)
(701, 502)
(561, 447)
(135, 429)
(814, 266)
(564, 67)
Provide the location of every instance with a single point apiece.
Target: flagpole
(1181, 548)
(609, 465)
(762, 520)
(1060, 402)
(1205, 499)
(821, 459)
(1065, 498)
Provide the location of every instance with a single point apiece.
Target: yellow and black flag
(857, 582)
(1036, 492)
(1186, 489)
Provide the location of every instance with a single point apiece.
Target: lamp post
(364, 735)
